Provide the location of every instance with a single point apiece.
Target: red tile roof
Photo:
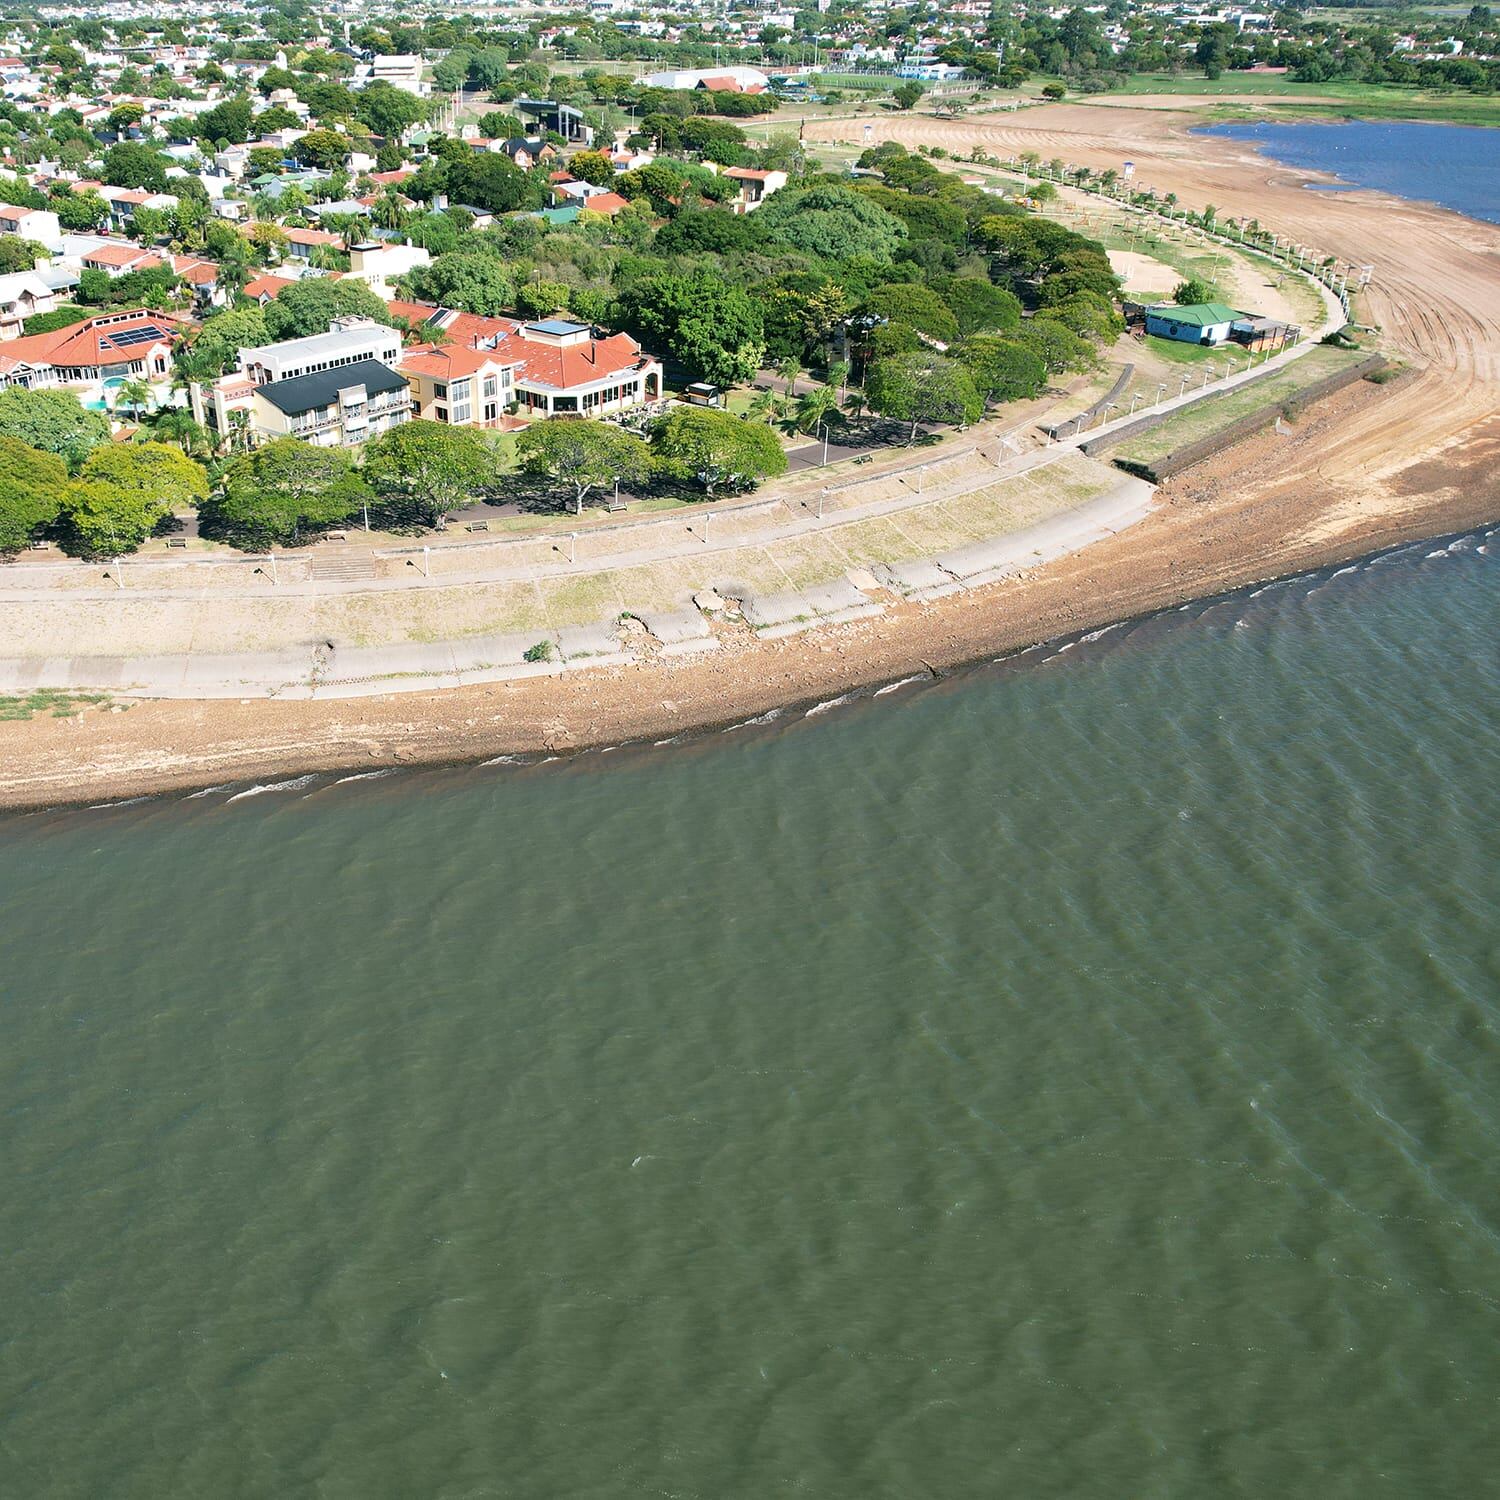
(96, 342)
(605, 203)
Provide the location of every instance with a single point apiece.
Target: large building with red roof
(94, 354)
(471, 368)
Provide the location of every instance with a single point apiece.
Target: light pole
(1161, 393)
(824, 427)
(1184, 385)
(1134, 398)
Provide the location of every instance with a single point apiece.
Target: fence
(1195, 452)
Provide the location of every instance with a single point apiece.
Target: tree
(471, 281)
(713, 328)
(429, 467)
(270, 495)
(135, 395)
(124, 491)
(1056, 345)
(906, 94)
(80, 211)
(816, 407)
(323, 149)
(978, 305)
(129, 165)
(831, 222)
(1192, 291)
(922, 387)
(53, 421)
(218, 343)
(537, 299)
(717, 448)
(35, 483)
(582, 454)
(229, 121)
(309, 306)
(1002, 369)
(917, 307)
(592, 166)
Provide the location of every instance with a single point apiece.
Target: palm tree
(763, 407)
(788, 370)
(855, 405)
(239, 430)
(177, 424)
(838, 374)
(134, 393)
(815, 408)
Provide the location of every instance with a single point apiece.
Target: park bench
(337, 536)
(177, 544)
(865, 458)
(478, 526)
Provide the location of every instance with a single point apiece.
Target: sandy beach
(1370, 467)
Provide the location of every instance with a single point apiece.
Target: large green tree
(310, 305)
(124, 491)
(832, 222)
(472, 281)
(270, 495)
(918, 307)
(715, 329)
(53, 421)
(31, 492)
(717, 448)
(1001, 369)
(978, 305)
(429, 469)
(582, 454)
(922, 387)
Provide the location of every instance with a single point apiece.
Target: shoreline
(785, 713)
(1370, 468)
(788, 677)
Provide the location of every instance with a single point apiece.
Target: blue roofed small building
(1193, 323)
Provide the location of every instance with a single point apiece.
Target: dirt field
(1435, 294)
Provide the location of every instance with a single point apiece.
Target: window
(439, 390)
(489, 385)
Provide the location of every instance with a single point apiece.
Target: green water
(1078, 1079)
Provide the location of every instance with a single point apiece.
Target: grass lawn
(1206, 417)
(52, 701)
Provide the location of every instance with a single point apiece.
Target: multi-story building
(476, 367)
(334, 389)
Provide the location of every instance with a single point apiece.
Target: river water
(1077, 1078)
(1455, 166)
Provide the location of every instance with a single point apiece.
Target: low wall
(1083, 418)
(1257, 421)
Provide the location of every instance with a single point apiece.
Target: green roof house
(1195, 323)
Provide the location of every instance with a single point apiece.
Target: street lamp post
(1161, 392)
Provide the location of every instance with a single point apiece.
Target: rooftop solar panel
(132, 336)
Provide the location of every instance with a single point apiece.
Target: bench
(865, 458)
(478, 526)
(612, 504)
(177, 543)
(336, 536)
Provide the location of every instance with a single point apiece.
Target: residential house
(547, 368)
(334, 389)
(23, 294)
(755, 186)
(94, 356)
(39, 225)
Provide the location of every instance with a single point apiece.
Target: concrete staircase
(341, 567)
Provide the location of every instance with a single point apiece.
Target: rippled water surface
(1076, 1079)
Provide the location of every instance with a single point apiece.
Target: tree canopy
(922, 387)
(583, 454)
(270, 495)
(53, 421)
(718, 449)
(124, 491)
(32, 493)
(429, 468)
